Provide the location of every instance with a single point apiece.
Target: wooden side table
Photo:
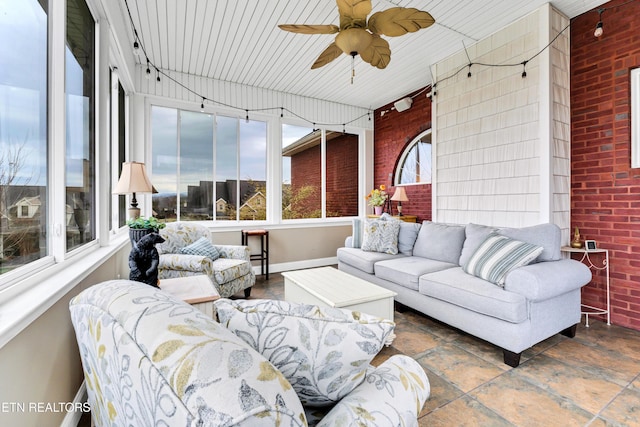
(603, 266)
(405, 218)
(195, 290)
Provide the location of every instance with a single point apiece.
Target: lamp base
(134, 213)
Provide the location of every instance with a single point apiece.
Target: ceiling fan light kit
(357, 36)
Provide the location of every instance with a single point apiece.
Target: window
(635, 118)
(23, 133)
(319, 168)
(80, 124)
(414, 166)
(117, 101)
(189, 149)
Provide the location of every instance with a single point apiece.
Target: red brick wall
(342, 176)
(605, 198)
(392, 133)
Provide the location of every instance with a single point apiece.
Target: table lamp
(399, 196)
(133, 179)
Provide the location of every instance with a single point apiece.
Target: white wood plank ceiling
(239, 41)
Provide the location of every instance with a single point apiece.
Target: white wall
(501, 151)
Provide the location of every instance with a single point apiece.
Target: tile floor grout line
(627, 387)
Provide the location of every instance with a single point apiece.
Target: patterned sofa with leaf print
(150, 359)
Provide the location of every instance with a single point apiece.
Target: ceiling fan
(357, 36)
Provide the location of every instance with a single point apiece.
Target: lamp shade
(400, 195)
(133, 179)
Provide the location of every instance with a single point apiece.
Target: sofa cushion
(202, 247)
(324, 352)
(406, 271)
(475, 234)
(381, 236)
(546, 235)
(442, 242)
(456, 287)
(407, 237)
(498, 255)
(362, 260)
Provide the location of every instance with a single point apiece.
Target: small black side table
(263, 256)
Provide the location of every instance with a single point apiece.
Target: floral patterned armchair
(230, 273)
(150, 359)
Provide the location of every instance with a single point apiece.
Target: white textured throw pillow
(322, 351)
(381, 236)
(498, 255)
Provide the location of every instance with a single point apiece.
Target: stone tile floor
(590, 380)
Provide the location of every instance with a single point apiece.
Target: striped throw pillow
(202, 247)
(498, 255)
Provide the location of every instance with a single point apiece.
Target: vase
(377, 210)
(135, 234)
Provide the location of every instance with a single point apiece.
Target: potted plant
(377, 198)
(140, 227)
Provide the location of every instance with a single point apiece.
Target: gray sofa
(534, 302)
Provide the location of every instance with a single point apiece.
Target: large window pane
(342, 174)
(196, 166)
(212, 149)
(23, 132)
(80, 124)
(226, 168)
(253, 170)
(302, 172)
(164, 160)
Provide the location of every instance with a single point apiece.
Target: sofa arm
(348, 242)
(234, 252)
(392, 394)
(184, 262)
(544, 280)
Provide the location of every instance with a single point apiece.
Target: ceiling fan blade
(378, 53)
(353, 13)
(328, 55)
(398, 21)
(310, 29)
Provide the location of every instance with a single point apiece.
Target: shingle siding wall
(493, 150)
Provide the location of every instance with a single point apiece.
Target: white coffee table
(195, 290)
(334, 288)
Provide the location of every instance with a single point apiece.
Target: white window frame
(635, 118)
(403, 157)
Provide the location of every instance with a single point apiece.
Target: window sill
(24, 302)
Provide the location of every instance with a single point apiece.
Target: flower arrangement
(377, 196)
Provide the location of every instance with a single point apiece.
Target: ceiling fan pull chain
(353, 69)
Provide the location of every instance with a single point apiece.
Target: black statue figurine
(144, 258)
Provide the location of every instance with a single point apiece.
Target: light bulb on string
(202, 105)
(148, 69)
(469, 73)
(157, 75)
(136, 45)
(246, 119)
(524, 69)
(599, 30)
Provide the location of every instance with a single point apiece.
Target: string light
(246, 119)
(202, 105)
(157, 75)
(598, 31)
(137, 45)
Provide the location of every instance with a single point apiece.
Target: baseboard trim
(298, 265)
(73, 418)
